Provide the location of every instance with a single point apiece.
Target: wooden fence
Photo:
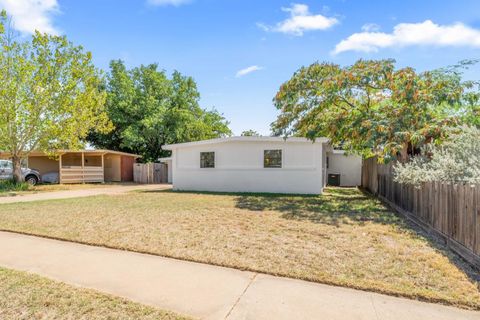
(150, 173)
(450, 211)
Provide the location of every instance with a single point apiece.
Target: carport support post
(103, 167)
(60, 169)
(83, 167)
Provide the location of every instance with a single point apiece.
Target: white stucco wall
(348, 166)
(239, 167)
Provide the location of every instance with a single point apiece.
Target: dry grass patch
(342, 237)
(24, 189)
(27, 296)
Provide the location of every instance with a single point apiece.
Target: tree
(250, 133)
(372, 108)
(149, 110)
(50, 96)
(457, 159)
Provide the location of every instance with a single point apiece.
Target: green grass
(27, 296)
(343, 237)
(8, 186)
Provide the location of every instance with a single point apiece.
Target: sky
(241, 51)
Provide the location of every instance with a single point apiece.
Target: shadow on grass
(336, 206)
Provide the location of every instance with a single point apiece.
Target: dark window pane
(207, 159)
(272, 158)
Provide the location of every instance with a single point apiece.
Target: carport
(84, 166)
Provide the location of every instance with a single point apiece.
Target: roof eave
(245, 139)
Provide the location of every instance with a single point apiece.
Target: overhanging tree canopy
(50, 96)
(372, 108)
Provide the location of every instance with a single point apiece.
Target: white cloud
(175, 3)
(370, 27)
(409, 34)
(247, 70)
(301, 20)
(31, 15)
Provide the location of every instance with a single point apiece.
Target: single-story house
(261, 164)
(80, 166)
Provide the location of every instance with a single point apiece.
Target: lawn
(27, 296)
(342, 237)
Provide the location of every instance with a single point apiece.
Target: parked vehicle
(30, 176)
(50, 177)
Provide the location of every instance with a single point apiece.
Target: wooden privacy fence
(150, 173)
(450, 211)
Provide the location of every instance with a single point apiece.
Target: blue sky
(240, 51)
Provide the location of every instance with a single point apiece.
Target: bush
(10, 185)
(457, 159)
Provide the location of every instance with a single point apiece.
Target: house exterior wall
(127, 168)
(348, 166)
(43, 164)
(239, 168)
(112, 167)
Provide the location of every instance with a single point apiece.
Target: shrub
(457, 159)
(10, 185)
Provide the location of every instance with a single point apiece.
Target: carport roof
(85, 151)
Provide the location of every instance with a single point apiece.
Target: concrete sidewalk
(66, 194)
(204, 291)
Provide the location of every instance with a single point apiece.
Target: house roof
(244, 139)
(86, 151)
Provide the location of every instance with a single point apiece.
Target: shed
(81, 166)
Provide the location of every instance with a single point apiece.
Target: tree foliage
(149, 110)
(457, 159)
(50, 96)
(250, 133)
(373, 108)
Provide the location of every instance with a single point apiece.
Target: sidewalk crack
(241, 295)
(373, 305)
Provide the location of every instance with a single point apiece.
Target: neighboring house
(260, 164)
(79, 166)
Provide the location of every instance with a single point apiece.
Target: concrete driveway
(66, 194)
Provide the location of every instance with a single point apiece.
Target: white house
(260, 164)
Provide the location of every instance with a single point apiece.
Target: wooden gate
(150, 173)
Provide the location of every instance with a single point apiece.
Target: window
(4, 164)
(207, 159)
(272, 158)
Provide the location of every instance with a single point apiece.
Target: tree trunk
(17, 169)
(404, 153)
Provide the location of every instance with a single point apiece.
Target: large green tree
(50, 95)
(148, 110)
(372, 107)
